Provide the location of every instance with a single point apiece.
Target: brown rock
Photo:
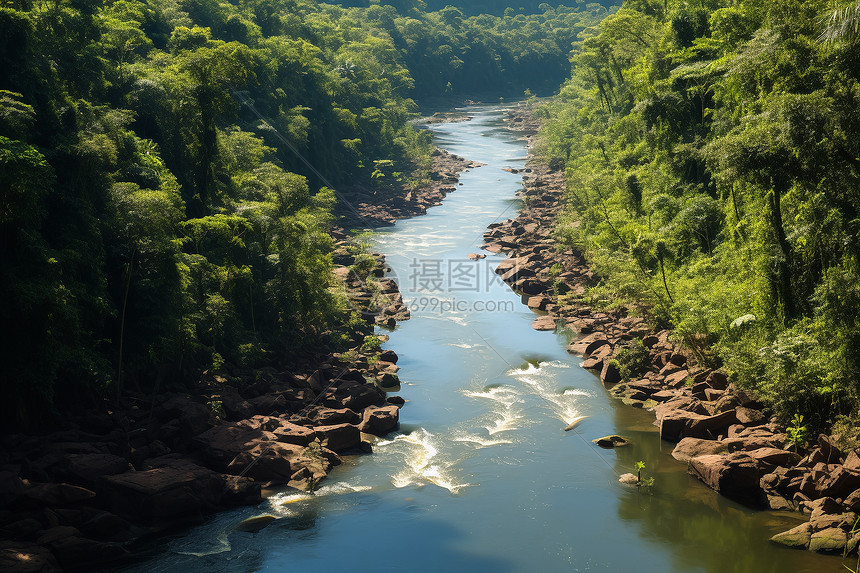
(269, 404)
(748, 416)
(86, 469)
(677, 379)
(839, 483)
(356, 396)
(388, 356)
(50, 495)
(689, 448)
(193, 417)
(673, 422)
(338, 437)
(291, 433)
(717, 380)
(830, 540)
(710, 426)
(852, 502)
(273, 462)
(779, 503)
(544, 323)
(610, 374)
(379, 420)
(19, 557)
(223, 443)
(331, 416)
(75, 551)
(178, 488)
(733, 475)
(797, 537)
(774, 457)
(852, 461)
(827, 451)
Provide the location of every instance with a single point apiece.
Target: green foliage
(372, 342)
(633, 361)
(711, 157)
(796, 432)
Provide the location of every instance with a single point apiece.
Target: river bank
(723, 434)
(85, 494)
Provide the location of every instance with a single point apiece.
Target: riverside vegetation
(187, 323)
(712, 176)
(157, 221)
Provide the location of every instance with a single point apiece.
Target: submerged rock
(613, 441)
(255, 524)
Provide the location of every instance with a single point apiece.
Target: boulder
(852, 461)
(689, 448)
(610, 374)
(338, 437)
(831, 540)
(77, 551)
(733, 475)
(332, 416)
(544, 323)
(272, 462)
(796, 537)
(356, 396)
(388, 356)
(86, 469)
(20, 557)
(379, 420)
(193, 416)
(779, 503)
(748, 416)
(839, 483)
(827, 451)
(717, 380)
(710, 426)
(587, 344)
(221, 444)
(774, 457)
(178, 488)
(269, 404)
(852, 502)
(50, 495)
(291, 433)
(613, 441)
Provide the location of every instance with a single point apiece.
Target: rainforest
(278, 274)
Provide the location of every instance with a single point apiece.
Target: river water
(481, 476)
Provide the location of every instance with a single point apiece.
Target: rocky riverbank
(83, 495)
(723, 434)
(362, 209)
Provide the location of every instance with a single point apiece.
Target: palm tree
(842, 24)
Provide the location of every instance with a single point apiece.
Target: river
(481, 476)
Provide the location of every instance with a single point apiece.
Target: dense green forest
(477, 7)
(160, 215)
(713, 167)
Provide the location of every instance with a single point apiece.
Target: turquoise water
(481, 476)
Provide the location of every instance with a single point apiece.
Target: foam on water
(220, 544)
(464, 345)
(480, 442)
(421, 466)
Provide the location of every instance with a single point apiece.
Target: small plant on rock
(642, 482)
(797, 432)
